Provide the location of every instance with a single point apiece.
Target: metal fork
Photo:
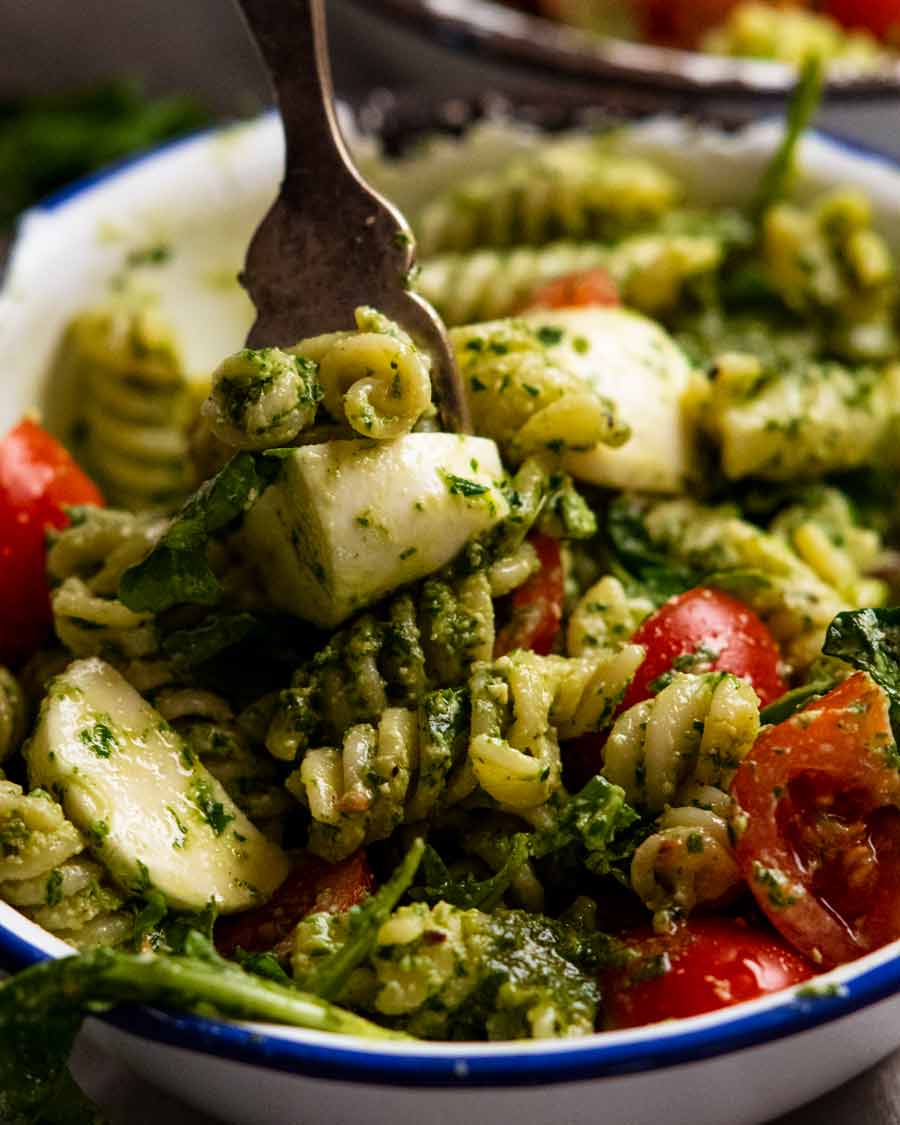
(330, 242)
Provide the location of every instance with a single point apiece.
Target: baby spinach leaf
(177, 571)
(468, 892)
(659, 576)
(869, 639)
(218, 632)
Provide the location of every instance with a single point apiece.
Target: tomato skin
(577, 290)
(38, 479)
(714, 963)
(704, 618)
(881, 17)
(821, 848)
(312, 886)
(537, 605)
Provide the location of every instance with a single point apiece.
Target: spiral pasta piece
(210, 730)
(383, 775)
(605, 615)
(523, 400)
(489, 284)
(13, 713)
(689, 861)
(652, 273)
(87, 560)
(131, 406)
(574, 189)
(760, 568)
(262, 398)
(375, 378)
(376, 662)
(695, 731)
(44, 873)
(823, 531)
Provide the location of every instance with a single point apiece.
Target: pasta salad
(312, 712)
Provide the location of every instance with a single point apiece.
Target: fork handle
(285, 31)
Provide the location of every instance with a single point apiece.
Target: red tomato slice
(821, 847)
(576, 290)
(537, 605)
(707, 964)
(38, 479)
(881, 17)
(712, 631)
(312, 886)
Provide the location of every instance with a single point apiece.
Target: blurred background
(82, 84)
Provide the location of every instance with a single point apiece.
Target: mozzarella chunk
(348, 521)
(151, 813)
(636, 364)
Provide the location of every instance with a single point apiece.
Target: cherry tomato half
(537, 605)
(38, 479)
(710, 631)
(577, 290)
(821, 847)
(708, 963)
(313, 885)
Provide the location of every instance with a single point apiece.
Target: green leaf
(600, 822)
(332, 972)
(659, 576)
(220, 631)
(177, 571)
(468, 892)
(792, 701)
(803, 105)
(869, 639)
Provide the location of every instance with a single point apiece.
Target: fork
(330, 242)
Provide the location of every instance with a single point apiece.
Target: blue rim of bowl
(601, 1056)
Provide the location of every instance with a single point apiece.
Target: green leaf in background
(803, 105)
(46, 142)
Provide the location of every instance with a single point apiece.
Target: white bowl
(743, 1064)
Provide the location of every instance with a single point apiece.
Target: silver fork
(330, 242)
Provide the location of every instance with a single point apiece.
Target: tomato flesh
(312, 886)
(537, 605)
(821, 847)
(38, 479)
(707, 964)
(706, 630)
(577, 290)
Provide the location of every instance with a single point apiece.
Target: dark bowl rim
(503, 34)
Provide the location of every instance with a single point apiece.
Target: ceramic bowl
(202, 198)
(496, 31)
